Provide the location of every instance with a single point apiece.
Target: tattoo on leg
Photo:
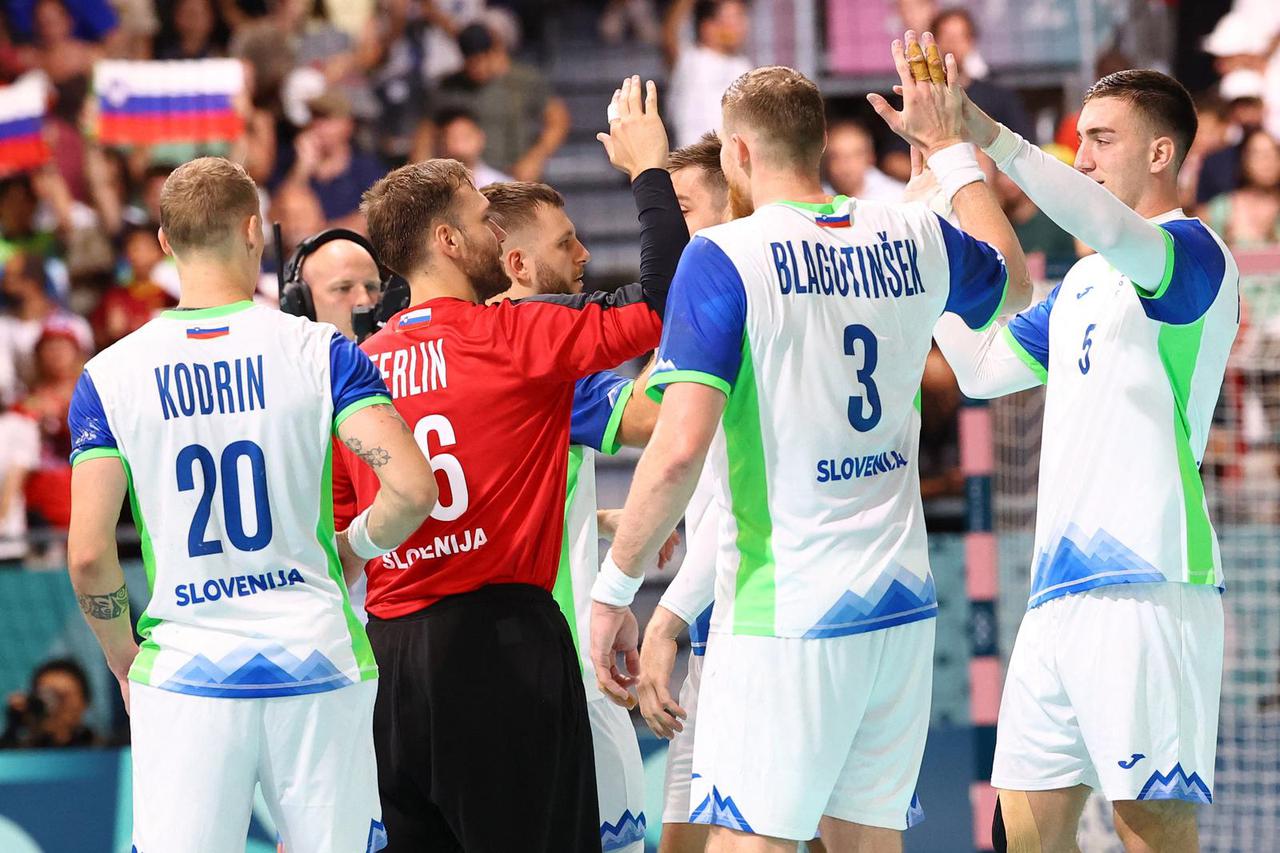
(374, 457)
(105, 606)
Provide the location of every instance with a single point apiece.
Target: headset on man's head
(296, 297)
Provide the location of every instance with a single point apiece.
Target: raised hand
(933, 114)
(637, 139)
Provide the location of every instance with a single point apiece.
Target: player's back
(223, 420)
(824, 535)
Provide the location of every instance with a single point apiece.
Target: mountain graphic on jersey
(1076, 563)
(719, 811)
(629, 829)
(896, 598)
(1176, 785)
(256, 672)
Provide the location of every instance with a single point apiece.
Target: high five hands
(936, 112)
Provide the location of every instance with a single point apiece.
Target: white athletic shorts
(1115, 688)
(196, 760)
(790, 730)
(680, 750)
(619, 777)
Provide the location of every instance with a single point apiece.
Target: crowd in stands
(338, 92)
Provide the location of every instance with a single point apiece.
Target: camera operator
(52, 713)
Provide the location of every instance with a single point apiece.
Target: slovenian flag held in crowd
(22, 143)
(144, 103)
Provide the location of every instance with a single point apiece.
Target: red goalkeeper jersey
(488, 393)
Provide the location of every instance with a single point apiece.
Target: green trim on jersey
(326, 536)
(95, 453)
(1004, 294)
(1179, 348)
(609, 443)
(1025, 357)
(364, 403)
(562, 591)
(670, 377)
(206, 313)
(812, 207)
(1168, 270)
(755, 598)
(140, 669)
(919, 399)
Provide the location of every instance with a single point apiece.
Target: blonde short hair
(784, 108)
(204, 202)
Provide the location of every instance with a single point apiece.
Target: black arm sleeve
(663, 234)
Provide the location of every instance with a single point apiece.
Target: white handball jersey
(1133, 379)
(815, 321)
(598, 403)
(223, 419)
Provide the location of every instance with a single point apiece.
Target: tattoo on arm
(105, 606)
(374, 457)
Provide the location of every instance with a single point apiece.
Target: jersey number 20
(864, 411)
(232, 512)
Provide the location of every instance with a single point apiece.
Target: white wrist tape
(358, 538)
(956, 166)
(1003, 148)
(612, 113)
(613, 585)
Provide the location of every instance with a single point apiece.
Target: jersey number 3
(864, 411)
(232, 512)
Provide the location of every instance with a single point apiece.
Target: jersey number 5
(1083, 361)
(232, 512)
(445, 463)
(864, 411)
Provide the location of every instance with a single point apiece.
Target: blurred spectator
(850, 162)
(1249, 215)
(957, 33)
(19, 456)
(701, 71)
(19, 228)
(192, 29)
(1211, 137)
(88, 20)
(326, 160)
(297, 208)
(51, 713)
(30, 309)
(131, 305)
(1239, 45)
(524, 123)
(635, 16)
(462, 139)
(60, 47)
(59, 361)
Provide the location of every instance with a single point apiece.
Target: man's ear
(517, 266)
(253, 232)
(1164, 152)
(164, 242)
(447, 240)
(741, 152)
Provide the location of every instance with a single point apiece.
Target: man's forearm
(660, 491)
(981, 216)
(984, 364)
(1084, 208)
(663, 234)
(104, 600)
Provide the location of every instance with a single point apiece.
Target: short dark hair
(203, 202)
(703, 155)
(403, 207)
(954, 12)
(785, 108)
(514, 204)
(64, 665)
(1163, 101)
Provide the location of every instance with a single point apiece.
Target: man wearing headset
(329, 276)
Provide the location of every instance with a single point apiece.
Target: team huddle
(444, 469)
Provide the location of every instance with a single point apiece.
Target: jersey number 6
(445, 463)
(864, 412)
